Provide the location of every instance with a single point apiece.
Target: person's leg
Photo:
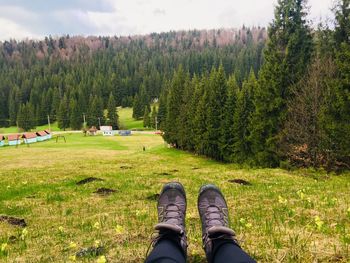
(166, 251)
(170, 245)
(229, 252)
(219, 240)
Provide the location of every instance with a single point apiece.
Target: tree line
(294, 112)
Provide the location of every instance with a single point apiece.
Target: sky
(21, 19)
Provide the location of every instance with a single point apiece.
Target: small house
(14, 139)
(42, 136)
(2, 140)
(92, 130)
(124, 132)
(49, 134)
(29, 137)
(109, 133)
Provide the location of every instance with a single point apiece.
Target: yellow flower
(72, 258)
(72, 244)
(282, 200)
(3, 247)
(61, 228)
(101, 259)
(242, 221)
(96, 225)
(301, 194)
(248, 225)
(319, 223)
(24, 233)
(97, 243)
(119, 229)
(348, 210)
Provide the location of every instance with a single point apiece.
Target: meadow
(283, 216)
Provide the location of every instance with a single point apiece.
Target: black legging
(168, 251)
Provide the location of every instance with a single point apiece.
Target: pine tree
(146, 118)
(75, 115)
(112, 115)
(286, 57)
(227, 139)
(26, 117)
(63, 114)
(244, 109)
(137, 109)
(154, 117)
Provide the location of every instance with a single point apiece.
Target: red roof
(47, 131)
(2, 137)
(41, 133)
(29, 135)
(14, 137)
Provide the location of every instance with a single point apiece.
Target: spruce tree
(26, 117)
(154, 117)
(146, 118)
(286, 57)
(63, 114)
(75, 115)
(112, 115)
(137, 108)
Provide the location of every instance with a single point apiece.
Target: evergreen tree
(286, 58)
(75, 115)
(63, 114)
(154, 117)
(137, 109)
(25, 117)
(146, 118)
(112, 114)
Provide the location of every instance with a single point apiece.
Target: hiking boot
(213, 213)
(171, 215)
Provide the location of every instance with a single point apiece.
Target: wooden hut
(92, 130)
(14, 139)
(2, 140)
(29, 137)
(42, 136)
(49, 134)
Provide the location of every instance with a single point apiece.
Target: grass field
(299, 216)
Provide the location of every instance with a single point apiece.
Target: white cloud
(10, 30)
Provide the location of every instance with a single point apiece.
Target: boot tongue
(168, 226)
(214, 215)
(215, 230)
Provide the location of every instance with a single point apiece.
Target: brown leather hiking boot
(213, 213)
(171, 215)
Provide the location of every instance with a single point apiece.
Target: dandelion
(101, 259)
(301, 194)
(97, 243)
(248, 225)
(72, 258)
(3, 247)
(319, 223)
(119, 229)
(282, 200)
(61, 228)
(96, 225)
(242, 221)
(348, 211)
(72, 245)
(24, 233)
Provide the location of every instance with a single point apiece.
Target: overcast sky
(37, 18)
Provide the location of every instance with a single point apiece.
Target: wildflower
(96, 225)
(101, 259)
(72, 258)
(3, 247)
(248, 225)
(24, 233)
(282, 200)
(61, 228)
(348, 211)
(72, 245)
(97, 243)
(242, 221)
(301, 194)
(119, 229)
(319, 223)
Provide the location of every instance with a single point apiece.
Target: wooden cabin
(29, 137)
(2, 140)
(92, 130)
(14, 139)
(42, 136)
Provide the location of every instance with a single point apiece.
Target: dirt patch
(174, 171)
(31, 196)
(13, 221)
(163, 174)
(88, 180)
(195, 168)
(125, 167)
(240, 181)
(90, 251)
(105, 191)
(153, 197)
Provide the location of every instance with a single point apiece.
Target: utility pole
(84, 120)
(99, 122)
(156, 122)
(48, 121)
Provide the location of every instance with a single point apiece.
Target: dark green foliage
(154, 117)
(112, 115)
(63, 114)
(95, 115)
(286, 58)
(146, 118)
(25, 117)
(76, 119)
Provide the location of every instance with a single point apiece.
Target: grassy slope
(273, 221)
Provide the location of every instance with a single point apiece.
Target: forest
(263, 97)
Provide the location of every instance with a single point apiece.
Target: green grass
(127, 121)
(14, 129)
(299, 216)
